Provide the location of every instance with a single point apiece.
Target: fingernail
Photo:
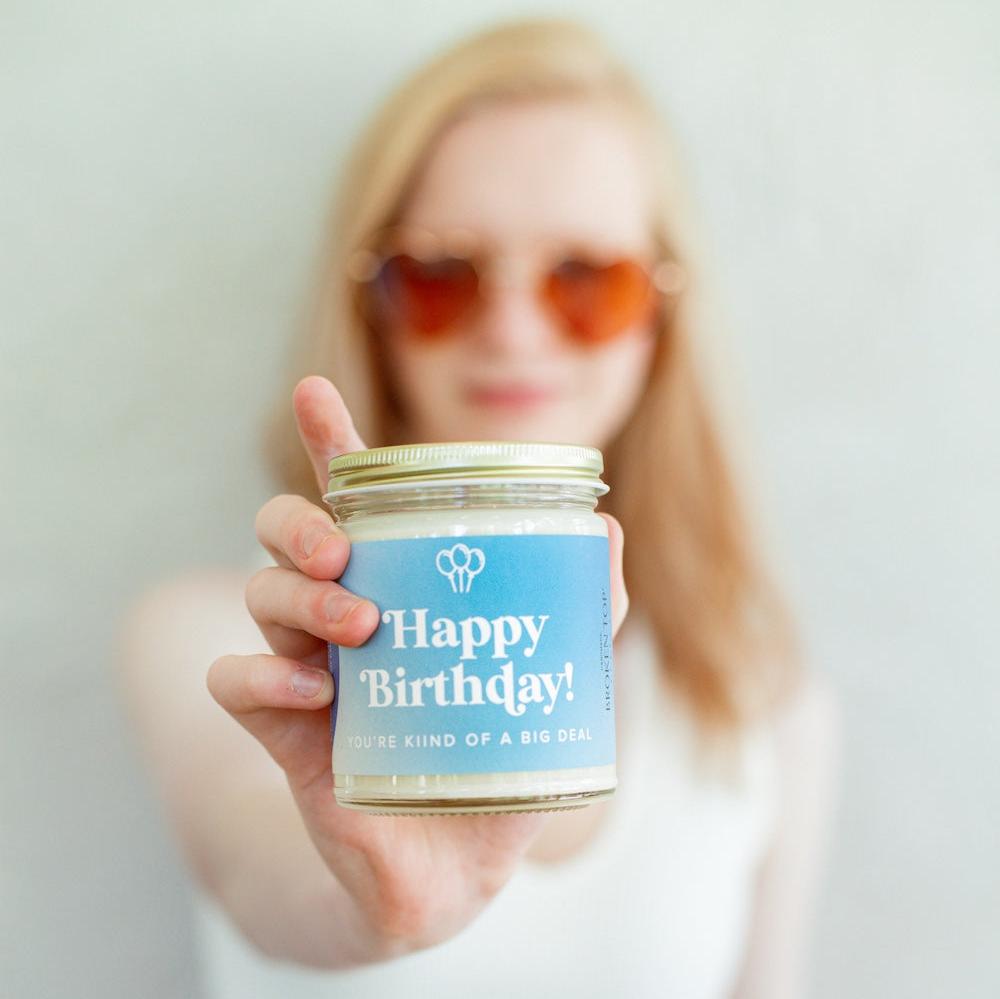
(308, 682)
(313, 538)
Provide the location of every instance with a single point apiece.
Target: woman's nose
(511, 318)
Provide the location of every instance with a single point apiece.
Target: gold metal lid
(466, 461)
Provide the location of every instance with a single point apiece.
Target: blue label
(493, 655)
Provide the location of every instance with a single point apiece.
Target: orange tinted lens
(597, 302)
(426, 296)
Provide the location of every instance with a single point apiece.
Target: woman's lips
(510, 396)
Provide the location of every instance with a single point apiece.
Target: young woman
(510, 259)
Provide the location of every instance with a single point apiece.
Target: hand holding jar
(415, 880)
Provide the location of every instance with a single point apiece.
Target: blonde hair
(721, 629)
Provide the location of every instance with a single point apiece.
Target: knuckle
(255, 682)
(266, 515)
(308, 531)
(258, 522)
(343, 549)
(274, 513)
(214, 677)
(297, 535)
(257, 590)
(322, 602)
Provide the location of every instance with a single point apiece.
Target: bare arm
(806, 742)
(304, 878)
(227, 800)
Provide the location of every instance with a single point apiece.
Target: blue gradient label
(493, 655)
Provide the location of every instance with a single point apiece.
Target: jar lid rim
(463, 459)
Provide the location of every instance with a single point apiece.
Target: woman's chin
(520, 426)
(475, 422)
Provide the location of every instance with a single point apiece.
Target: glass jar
(488, 685)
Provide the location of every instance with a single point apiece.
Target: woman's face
(520, 177)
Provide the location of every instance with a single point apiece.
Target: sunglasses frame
(667, 277)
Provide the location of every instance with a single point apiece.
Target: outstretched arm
(227, 800)
(304, 878)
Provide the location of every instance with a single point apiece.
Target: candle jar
(488, 684)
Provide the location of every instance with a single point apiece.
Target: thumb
(325, 425)
(619, 595)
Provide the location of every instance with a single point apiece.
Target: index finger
(325, 425)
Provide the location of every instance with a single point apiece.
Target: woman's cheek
(615, 377)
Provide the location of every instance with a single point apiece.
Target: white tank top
(656, 904)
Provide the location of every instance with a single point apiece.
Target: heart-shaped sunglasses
(427, 285)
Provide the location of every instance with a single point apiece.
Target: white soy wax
(488, 685)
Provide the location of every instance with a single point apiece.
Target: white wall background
(164, 170)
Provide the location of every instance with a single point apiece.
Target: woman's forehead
(517, 171)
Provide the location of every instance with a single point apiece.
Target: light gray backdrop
(164, 170)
